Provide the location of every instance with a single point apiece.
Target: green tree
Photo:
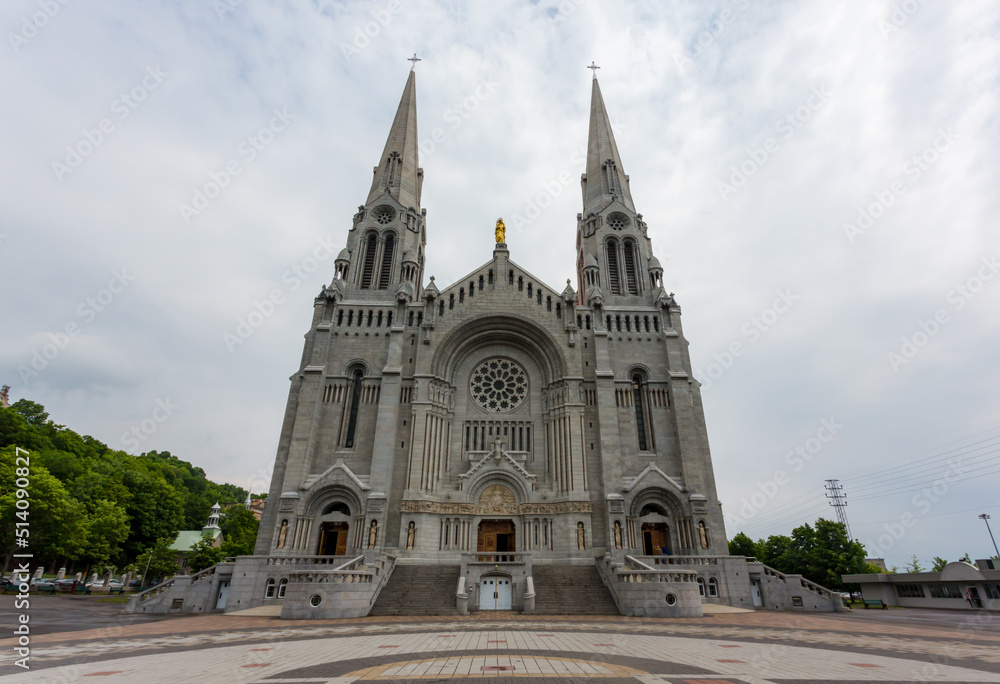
(914, 565)
(742, 545)
(33, 413)
(107, 529)
(873, 569)
(240, 529)
(774, 550)
(160, 562)
(821, 554)
(937, 565)
(204, 555)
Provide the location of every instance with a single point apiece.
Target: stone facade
(495, 415)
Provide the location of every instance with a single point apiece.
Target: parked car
(7, 585)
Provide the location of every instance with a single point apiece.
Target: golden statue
(501, 231)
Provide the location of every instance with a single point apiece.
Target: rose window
(617, 221)
(499, 385)
(384, 215)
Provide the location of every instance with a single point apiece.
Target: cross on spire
(414, 59)
(593, 67)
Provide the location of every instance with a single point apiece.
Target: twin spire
(399, 175)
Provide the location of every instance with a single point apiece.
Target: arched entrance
(496, 536)
(333, 530)
(495, 593)
(333, 539)
(654, 539)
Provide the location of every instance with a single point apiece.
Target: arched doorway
(495, 593)
(333, 530)
(496, 536)
(654, 539)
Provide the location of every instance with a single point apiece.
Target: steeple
(605, 179)
(398, 173)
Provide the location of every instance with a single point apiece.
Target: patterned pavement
(754, 647)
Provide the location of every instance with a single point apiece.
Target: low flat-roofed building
(959, 585)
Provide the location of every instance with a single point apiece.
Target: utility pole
(839, 501)
(986, 519)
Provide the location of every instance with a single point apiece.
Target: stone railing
(354, 571)
(163, 586)
(812, 586)
(680, 560)
(635, 570)
(492, 558)
(308, 560)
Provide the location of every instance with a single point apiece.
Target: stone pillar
(61, 574)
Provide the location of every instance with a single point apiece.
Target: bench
(81, 589)
(50, 588)
(120, 591)
(878, 603)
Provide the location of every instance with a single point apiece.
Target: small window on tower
(617, 221)
(384, 215)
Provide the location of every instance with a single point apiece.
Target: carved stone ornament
(448, 508)
(497, 499)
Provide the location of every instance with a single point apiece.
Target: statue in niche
(618, 535)
(581, 540)
(501, 232)
(373, 534)
(411, 532)
(703, 533)
(282, 533)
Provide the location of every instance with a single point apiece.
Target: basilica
(482, 444)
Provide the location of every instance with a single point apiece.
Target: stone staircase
(571, 590)
(419, 590)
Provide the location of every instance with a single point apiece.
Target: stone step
(419, 590)
(571, 590)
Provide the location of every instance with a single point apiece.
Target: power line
(835, 493)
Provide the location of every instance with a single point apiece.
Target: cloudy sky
(820, 183)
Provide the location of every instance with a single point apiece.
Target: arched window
(269, 589)
(352, 422)
(713, 587)
(451, 301)
(631, 278)
(282, 585)
(640, 418)
(701, 587)
(441, 308)
(558, 310)
(350, 317)
(656, 323)
(340, 317)
(520, 284)
(368, 267)
(614, 278)
(548, 303)
(409, 319)
(387, 254)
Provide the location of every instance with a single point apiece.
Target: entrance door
(333, 539)
(974, 595)
(758, 602)
(496, 536)
(495, 593)
(654, 539)
(223, 595)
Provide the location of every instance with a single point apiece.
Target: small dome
(590, 261)
(654, 264)
(344, 255)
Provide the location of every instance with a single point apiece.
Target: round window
(671, 599)
(384, 215)
(617, 220)
(315, 600)
(499, 385)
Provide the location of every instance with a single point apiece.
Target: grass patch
(113, 599)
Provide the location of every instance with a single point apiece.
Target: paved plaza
(80, 641)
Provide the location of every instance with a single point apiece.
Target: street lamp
(986, 519)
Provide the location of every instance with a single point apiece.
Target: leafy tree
(240, 529)
(742, 545)
(107, 530)
(820, 554)
(204, 555)
(774, 551)
(937, 565)
(33, 413)
(873, 569)
(159, 562)
(914, 565)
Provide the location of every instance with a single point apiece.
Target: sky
(819, 181)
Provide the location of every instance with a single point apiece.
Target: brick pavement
(759, 647)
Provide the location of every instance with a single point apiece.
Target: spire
(398, 172)
(605, 179)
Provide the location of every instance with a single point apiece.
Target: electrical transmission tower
(835, 493)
